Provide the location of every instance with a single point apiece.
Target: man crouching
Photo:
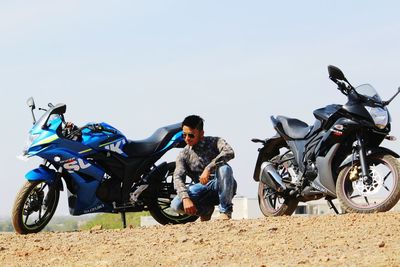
(204, 159)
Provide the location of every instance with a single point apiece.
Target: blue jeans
(219, 190)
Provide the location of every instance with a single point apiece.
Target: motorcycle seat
(156, 142)
(294, 128)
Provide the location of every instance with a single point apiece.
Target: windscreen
(368, 91)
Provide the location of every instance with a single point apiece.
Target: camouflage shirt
(193, 160)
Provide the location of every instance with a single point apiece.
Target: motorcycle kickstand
(332, 206)
(123, 218)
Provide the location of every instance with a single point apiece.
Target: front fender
(42, 174)
(378, 150)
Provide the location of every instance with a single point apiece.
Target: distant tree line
(6, 226)
(70, 223)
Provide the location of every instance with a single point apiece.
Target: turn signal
(390, 137)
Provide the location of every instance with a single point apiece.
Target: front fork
(362, 153)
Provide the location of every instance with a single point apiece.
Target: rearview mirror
(31, 103)
(335, 73)
(337, 76)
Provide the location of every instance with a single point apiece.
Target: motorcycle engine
(109, 190)
(288, 170)
(311, 171)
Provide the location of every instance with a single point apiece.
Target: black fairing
(354, 107)
(324, 114)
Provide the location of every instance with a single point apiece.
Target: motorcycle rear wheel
(160, 206)
(34, 207)
(271, 204)
(379, 194)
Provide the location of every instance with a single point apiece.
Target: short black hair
(194, 122)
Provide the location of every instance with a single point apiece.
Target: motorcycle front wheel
(159, 207)
(378, 193)
(34, 207)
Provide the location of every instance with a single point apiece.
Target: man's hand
(189, 206)
(204, 176)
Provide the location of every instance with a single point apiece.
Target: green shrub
(113, 221)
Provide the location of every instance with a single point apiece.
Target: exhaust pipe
(270, 176)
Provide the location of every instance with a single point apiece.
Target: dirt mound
(329, 240)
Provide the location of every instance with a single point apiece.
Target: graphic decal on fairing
(73, 165)
(116, 147)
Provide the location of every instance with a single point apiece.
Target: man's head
(192, 127)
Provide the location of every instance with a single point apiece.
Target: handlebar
(77, 132)
(97, 128)
(344, 86)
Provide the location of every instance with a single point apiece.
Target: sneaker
(225, 216)
(207, 216)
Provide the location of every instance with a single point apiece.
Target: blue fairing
(104, 141)
(75, 156)
(41, 174)
(86, 200)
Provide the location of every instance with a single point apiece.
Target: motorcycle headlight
(379, 115)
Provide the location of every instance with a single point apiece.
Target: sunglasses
(190, 135)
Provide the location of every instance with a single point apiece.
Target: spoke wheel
(160, 207)
(378, 193)
(272, 204)
(34, 207)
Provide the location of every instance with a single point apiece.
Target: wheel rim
(165, 197)
(373, 192)
(271, 200)
(164, 204)
(39, 206)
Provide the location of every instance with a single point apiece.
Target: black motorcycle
(338, 157)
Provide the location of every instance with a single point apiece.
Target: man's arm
(225, 155)
(179, 184)
(179, 176)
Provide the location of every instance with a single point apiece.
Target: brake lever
(256, 140)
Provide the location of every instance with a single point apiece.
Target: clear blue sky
(139, 65)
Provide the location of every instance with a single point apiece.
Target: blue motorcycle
(102, 171)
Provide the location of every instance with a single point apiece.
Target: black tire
(160, 206)
(271, 204)
(34, 207)
(380, 194)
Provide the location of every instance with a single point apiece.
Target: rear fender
(267, 152)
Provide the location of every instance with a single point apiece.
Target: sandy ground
(329, 240)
